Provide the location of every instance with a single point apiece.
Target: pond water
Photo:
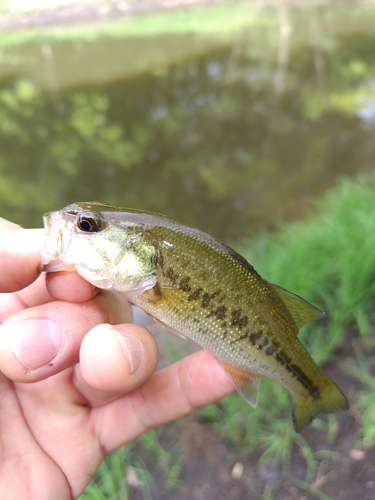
(225, 130)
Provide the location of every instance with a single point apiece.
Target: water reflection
(233, 137)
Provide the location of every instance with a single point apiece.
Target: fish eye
(90, 222)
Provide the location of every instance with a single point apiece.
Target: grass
(211, 20)
(330, 260)
(362, 368)
(125, 470)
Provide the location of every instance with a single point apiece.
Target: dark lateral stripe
(184, 284)
(272, 349)
(196, 294)
(255, 337)
(297, 371)
(238, 320)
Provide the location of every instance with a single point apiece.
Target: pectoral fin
(246, 383)
(162, 295)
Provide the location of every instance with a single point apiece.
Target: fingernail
(131, 348)
(36, 341)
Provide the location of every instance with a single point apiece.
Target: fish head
(108, 250)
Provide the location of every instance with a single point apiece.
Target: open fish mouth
(53, 251)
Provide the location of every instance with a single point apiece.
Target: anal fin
(246, 383)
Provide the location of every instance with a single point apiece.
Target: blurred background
(239, 117)
(227, 115)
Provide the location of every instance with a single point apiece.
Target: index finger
(19, 255)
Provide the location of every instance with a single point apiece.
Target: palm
(44, 433)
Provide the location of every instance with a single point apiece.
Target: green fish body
(201, 289)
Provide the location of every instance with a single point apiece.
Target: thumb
(114, 360)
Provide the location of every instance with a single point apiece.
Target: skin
(60, 417)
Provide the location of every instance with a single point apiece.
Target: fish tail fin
(329, 400)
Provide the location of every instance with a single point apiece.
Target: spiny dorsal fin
(246, 383)
(302, 311)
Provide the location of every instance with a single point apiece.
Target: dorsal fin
(302, 311)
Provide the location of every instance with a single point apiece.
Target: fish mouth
(52, 252)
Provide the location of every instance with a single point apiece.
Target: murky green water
(224, 131)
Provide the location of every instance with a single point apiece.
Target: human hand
(77, 378)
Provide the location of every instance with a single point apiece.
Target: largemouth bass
(197, 287)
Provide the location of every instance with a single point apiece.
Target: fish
(197, 287)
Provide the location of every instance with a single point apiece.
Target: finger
(31, 296)
(70, 286)
(19, 255)
(170, 393)
(44, 340)
(115, 360)
(46, 288)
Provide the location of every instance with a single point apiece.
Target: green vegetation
(215, 19)
(329, 259)
(362, 369)
(126, 469)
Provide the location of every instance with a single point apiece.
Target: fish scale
(197, 287)
(220, 310)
